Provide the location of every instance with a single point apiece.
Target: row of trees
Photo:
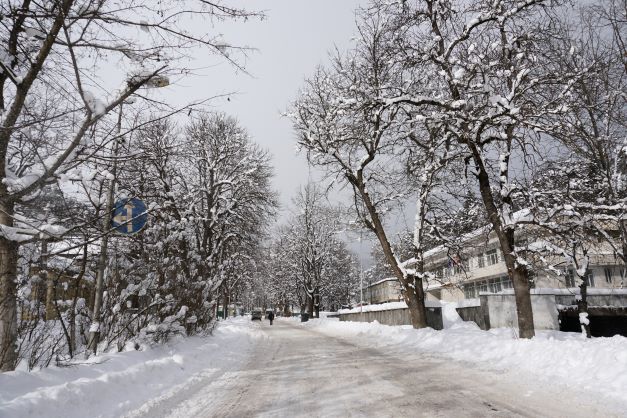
(307, 265)
(65, 143)
(519, 104)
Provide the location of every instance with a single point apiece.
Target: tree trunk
(317, 301)
(582, 307)
(518, 274)
(8, 295)
(225, 305)
(524, 310)
(411, 286)
(47, 278)
(310, 305)
(415, 299)
(72, 347)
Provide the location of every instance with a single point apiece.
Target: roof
(388, 279)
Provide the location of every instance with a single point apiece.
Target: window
(506, 283)
(480, 261)
(462, 267)
(492, 257)
(569, 277)
(470, 291)
(482, 286)
(494, 285)
(608, 274)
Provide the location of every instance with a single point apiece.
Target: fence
(398, 316)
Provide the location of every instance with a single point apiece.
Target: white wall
(502, 310)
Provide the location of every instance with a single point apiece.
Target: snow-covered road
(327, 368)
(302, 371)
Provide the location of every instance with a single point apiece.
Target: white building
(480, 268)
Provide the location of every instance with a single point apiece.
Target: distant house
(63, 290)
(61, 284)
(383, 291)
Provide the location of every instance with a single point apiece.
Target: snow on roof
(388, 279)
(465, 237)
(71, 247)
(519, 216)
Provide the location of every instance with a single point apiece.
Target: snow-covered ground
(112, 384)
(597, 366)
(257, 367)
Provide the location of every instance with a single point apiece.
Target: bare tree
(49, 98)
(485, 61)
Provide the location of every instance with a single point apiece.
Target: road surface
(298, 372)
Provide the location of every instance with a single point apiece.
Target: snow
(34, 33)
(468, 303)
(15, 234)
(95, 105)
(596, 365)
(387, 279)
(386, 306)
(115, 384)
(15, 184)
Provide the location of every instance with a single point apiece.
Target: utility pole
(94, 329)
(47, 279)
(157, 81)
(361, 278)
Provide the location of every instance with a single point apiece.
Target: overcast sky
(290, 42)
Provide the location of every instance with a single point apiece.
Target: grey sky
(293, 39)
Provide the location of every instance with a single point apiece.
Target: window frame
(492, 257)
(480, 261)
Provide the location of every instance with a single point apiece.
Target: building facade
(480, 268)
(383, 291)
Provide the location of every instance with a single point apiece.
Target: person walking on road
(271, 317)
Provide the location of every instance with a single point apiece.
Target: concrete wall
(451, 294)
(476, 314)
(617, 300)
(394, 317)
(501, 310)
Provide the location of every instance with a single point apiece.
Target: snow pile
(594, 365)
(375, 308)
(386, 306)
(113, 384)
(451, 319)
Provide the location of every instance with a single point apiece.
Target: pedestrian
(271, 316)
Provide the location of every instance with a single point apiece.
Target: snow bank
(596, 365)
(386, 306)
(113, 384)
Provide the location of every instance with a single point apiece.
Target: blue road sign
(129, 216)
